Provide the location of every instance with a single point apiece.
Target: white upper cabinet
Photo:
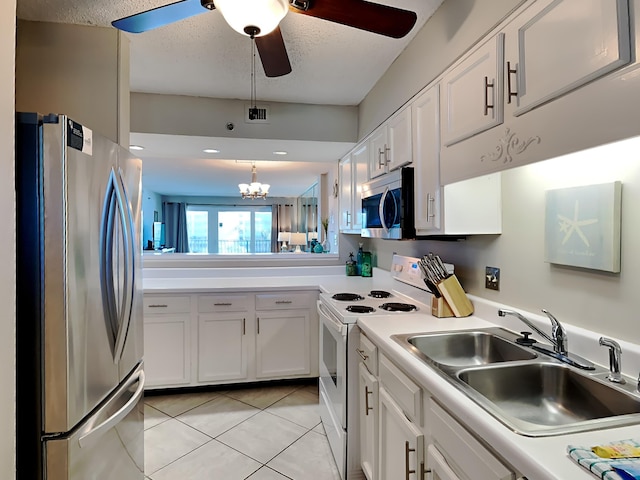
(426, 148)
(567, 81)
(353, 171)
(556, 46)
(390, 144)
(472, 93)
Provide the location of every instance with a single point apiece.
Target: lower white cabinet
(222, 347)
(282, 343)
(167, 340)
(167, 352)
(439, 469)
(401, 445)
(368, 414)
(197, 339)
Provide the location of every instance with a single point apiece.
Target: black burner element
(379, 294)
(398, 307)
(360, 309)
(347, 297)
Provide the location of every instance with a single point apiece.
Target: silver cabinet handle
(431, 212)
(362, 354)
(487, 86)
(380, 153)
(348, 218)
(283, 302)
(244, 326)
(258, 325)
(387, 158)
(222, 304)
(158, 305)
(511, 71)
(367, 392)
(408, 450)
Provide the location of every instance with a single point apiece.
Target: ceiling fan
(259, 19)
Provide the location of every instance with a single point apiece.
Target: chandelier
(254, 189)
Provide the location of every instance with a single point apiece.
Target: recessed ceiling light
(135, 147)
(211, 150)
(280, 152)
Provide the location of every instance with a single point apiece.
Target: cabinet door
(282, 343)
(360, 174)
(399, 151)
(472, 93)
(344, 173)
(438, 467)
(426, 140)
(558, 49)
(378, 152)
(368, 406)
(401, 445)
(222, 347)
(167, 350)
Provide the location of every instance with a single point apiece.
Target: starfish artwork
(569, 226)
(582, 226)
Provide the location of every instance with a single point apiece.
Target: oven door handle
(381, 209)
(332, 321)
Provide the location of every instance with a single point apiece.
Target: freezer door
(109, 445)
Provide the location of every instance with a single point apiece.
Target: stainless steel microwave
(387, 206)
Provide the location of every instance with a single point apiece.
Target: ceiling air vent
(256, 114)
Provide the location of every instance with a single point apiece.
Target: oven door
(333, 362)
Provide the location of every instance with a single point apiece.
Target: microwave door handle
(381, 209)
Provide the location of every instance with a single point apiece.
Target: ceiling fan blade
(160, 16)
(371, 17)
(273, 54)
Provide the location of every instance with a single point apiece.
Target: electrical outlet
(492, 278)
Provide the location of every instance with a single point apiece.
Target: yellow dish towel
(602, 468)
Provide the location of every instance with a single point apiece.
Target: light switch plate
(492, 278)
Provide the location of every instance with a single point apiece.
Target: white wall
(598, 301)
(89, 81)
(7, 240)
(208, 117)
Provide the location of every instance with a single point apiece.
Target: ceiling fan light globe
(242, 15)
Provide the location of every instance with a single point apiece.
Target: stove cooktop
(347, 297)
(398, 307)
(360, 309)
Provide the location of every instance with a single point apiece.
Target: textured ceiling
(202, 55)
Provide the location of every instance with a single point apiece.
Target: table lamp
(298, 239)
(284, 237)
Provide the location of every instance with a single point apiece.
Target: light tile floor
(256, 433)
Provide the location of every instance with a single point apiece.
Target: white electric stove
(339, 339)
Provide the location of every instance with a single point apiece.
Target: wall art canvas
(582, 226)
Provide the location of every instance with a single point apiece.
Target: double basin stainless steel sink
(531, 393)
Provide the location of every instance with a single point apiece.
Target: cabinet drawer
(224, 303)
(163, 304)
(404, 391)
(368, 352)
(462, 451)
(279, 301)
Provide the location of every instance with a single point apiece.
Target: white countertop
(541, 458)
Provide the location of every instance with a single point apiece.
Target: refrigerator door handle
(126, 221)
(96, 432)
(106, 260)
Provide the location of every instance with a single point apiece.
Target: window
(229, 229)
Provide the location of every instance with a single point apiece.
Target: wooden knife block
(455, 299)
(440, 308)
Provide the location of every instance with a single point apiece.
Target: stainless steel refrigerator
(80, 377)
